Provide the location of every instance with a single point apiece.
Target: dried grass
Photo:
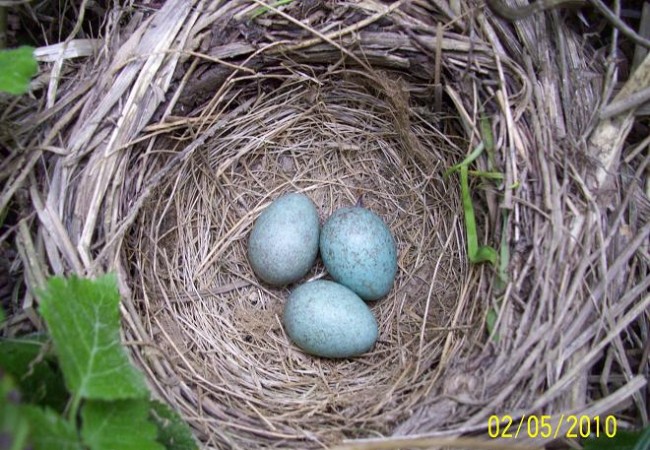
(155, 161)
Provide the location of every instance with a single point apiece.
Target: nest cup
(335, 138)
(196, 115)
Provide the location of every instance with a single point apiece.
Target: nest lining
(218, 326)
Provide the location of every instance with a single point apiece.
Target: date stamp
(546, 426)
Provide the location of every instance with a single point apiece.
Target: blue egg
(359, 251)
(283, 244)
(327, 319)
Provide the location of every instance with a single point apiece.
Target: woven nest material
(155, 160)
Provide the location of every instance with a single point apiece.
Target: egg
(283, 243)
(359, 251)
(327, 319)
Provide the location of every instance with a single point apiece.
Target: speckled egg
(327, 319)
(284, 241)
(359, 251)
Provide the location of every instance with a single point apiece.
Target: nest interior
(336, 139)
(154, 159)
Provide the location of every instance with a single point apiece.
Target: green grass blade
(504, 256)
(488, 139)
(490, 322)
(263, 9)
(488, 175)
(476, 254)
(468, 159)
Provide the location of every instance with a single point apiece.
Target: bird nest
(157, 159)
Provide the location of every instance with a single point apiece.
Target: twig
(619, 106)
(619, 24)
(523, 12)
(329, 38)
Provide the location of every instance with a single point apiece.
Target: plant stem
(476, 253)
(74, 410)
(20, 437)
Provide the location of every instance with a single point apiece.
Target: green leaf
(83, 318)
(49, 431)
(17, 67)
(36, 372)
(173, 431)
(644, 440)
(120, 424)
(14, 427)
(622, 440)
